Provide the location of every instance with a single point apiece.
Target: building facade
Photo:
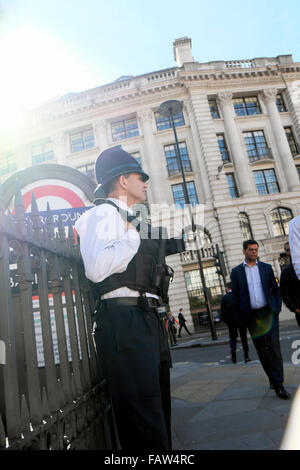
(239, 139)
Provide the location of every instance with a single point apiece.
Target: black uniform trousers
(268, 349)
(134, 357)
(234, 331)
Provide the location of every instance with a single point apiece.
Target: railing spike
(35, 215)
(45, 404)
(61, 229)
(10, 222)
(2, 433)
(19, 210)
(25, 417)
(60, 393)
(71, 235)
(73, 387)
(49, 223)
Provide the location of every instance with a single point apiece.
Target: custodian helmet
(114, 162)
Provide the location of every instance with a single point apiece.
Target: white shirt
(256, 292)
(294, 240)
(106, 247)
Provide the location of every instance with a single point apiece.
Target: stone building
(238, 133)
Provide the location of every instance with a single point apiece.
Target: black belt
(131, 301)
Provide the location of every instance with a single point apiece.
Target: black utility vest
(143, 273)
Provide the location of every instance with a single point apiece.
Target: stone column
(205, 195)
(59, 143)
(155, 162)
(242, 172)
(287, 162)
(100, 128)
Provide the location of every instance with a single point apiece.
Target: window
(291, 140)
(82, 140)
(204, 240)
(245, 226)
(42, 152)
(213, 107)
(7, 163)
(232, 185)
(266, 182)
(256, 145)
(137, 156)
(298, 170)
(280, 218)
(223, 148)
(164, 122)
(178, 194)
(280, 104)
(89, 170)
(172, 165)
(195, 289)
(246, 106)
(124, 129)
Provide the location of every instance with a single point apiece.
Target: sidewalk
(227, 406)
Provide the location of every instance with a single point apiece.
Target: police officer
(130, 343)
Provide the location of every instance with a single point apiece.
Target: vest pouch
(167, 277)
(159, 273)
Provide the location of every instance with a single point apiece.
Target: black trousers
(182, 325)
(269, 353)
(233, 335)
(134, 357)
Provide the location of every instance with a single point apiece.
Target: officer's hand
(297, 310)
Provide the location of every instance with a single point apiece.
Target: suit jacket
(181, 319)
(290, 288)
(230, 311)
(241, 293)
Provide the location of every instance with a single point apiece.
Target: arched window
(245, 226)
(280, 218)
(203, 238)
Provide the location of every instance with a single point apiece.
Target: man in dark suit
(182, 324)
(257, 294)
(236, 326)
(290, 286)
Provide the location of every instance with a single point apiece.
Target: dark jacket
(181, 318)
(230, 312)
(290, 288)
(241, 293)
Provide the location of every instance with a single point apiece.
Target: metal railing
(191, 255)
(51, 396)
(261, 154)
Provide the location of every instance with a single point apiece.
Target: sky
(51, 47)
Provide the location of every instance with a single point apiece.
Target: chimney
(182, 48)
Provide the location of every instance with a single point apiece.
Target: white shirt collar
(246, 264)
(121, 204)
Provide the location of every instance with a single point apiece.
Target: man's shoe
(247, 359)
(281, 392)
(233, 356)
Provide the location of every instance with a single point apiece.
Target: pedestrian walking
(172, 329)
(290, 286)
(131, 347)
(236, 326)
(257, 294)
(182, 324)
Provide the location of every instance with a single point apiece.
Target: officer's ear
(123, 181)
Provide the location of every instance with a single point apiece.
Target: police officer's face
(136, 189)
